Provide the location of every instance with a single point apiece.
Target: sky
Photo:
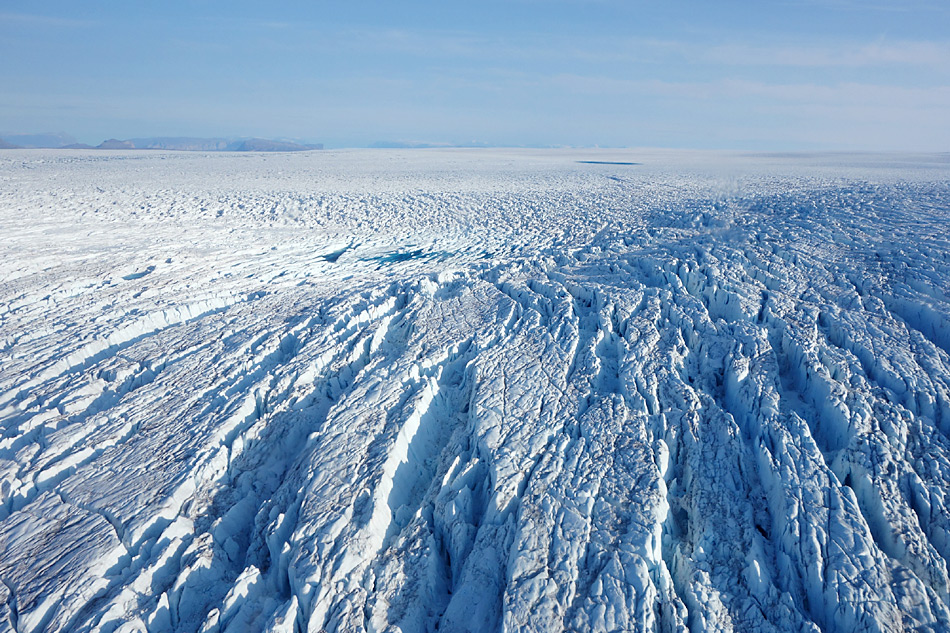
(774, 75)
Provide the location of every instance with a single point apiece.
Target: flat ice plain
(474, 390)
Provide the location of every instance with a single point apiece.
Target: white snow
(474, 390)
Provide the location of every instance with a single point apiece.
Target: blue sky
(799, 74)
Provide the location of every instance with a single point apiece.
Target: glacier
(474, 390)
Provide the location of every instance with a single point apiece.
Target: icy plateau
(474, 390)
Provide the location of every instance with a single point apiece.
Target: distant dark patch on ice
(394, 258)
(605, 162)
(138, 274)
(335, 255)
(405, 256)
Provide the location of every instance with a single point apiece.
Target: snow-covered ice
(474, 390)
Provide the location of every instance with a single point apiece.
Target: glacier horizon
(474, 390)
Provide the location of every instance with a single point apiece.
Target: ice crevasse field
(474, 390)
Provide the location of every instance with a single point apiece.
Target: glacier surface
(474, 390)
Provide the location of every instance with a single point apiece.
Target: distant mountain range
(265, 145)
(178, 143)
(30, 141)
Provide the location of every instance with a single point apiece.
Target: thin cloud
(904, 53)
(932, 55)
(882, 6)
(32, 19)
(537, 48)
(850, 93)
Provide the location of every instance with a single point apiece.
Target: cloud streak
(928, 54)
(43, 21)
(461, 44)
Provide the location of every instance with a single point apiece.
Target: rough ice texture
(474, 391)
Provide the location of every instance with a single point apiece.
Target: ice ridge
(474, 391)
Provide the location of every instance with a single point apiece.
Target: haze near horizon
(797, 75)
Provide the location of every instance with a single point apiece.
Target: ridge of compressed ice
(474, 391)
